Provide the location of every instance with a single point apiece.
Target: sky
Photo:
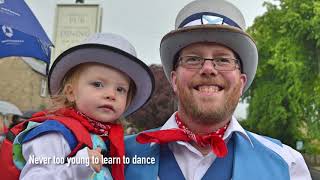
(142, 22)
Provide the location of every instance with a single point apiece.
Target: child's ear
(69, 92)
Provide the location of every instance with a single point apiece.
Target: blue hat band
(208, 18)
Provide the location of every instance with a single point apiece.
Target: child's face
(100, 92)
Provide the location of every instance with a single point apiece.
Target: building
(23, 83)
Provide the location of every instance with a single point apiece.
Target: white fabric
(194, 165)
(49, 146)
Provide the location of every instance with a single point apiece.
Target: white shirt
(49, 146)
(194, 165)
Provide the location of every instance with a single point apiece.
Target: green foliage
(284, 99)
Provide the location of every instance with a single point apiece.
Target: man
(210, 61)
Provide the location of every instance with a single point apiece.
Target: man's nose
(208, 68)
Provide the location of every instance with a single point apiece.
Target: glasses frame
(213, 61)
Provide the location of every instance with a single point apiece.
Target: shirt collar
(234, 126)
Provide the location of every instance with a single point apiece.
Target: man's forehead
(212, 46)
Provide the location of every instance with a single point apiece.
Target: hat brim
(110, 56)
(234, 38)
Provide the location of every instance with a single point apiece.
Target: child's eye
(121, 89)
(97, 84)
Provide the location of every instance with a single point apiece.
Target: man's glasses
(219, 63)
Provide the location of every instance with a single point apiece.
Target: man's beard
(204, 114)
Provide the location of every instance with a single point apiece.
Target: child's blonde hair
(60, 99)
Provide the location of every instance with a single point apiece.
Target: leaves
(284, 100)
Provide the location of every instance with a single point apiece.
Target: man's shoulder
(263, 139)
(288, 154)
(292, 157)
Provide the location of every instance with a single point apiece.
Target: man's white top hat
(112, 50)
(210, 21)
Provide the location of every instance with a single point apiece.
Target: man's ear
(173, 80)
(243, 79)
(69, 92)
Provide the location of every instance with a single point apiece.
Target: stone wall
(20, 84)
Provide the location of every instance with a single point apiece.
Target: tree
(161, 105)
(284, 99)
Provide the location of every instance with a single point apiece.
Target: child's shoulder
(51, 126)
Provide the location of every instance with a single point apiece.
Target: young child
(94, 83)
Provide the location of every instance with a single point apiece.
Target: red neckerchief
(113, 132)
(96, 127)
(214, 139)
